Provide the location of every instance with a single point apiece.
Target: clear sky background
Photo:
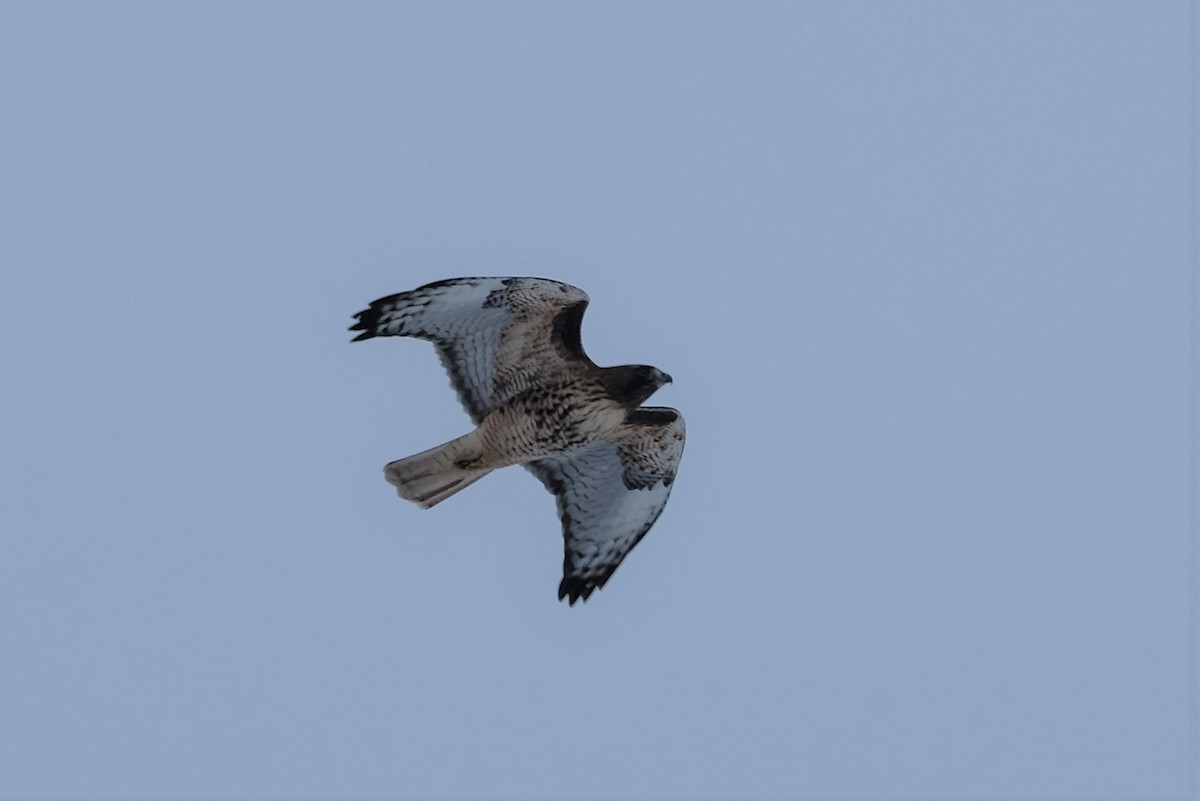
(920, 271)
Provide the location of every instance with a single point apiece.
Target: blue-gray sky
(921, 273)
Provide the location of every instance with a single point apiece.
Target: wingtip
(574, 589)
(360, 324)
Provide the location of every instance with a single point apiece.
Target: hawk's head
(632, 384)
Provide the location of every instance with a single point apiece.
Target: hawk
(513, 351)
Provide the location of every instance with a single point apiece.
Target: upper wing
(495, 336)
(609, 495)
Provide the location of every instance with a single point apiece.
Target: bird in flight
(513, 351)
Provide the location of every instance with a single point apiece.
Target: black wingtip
(362, 324)
(575, 589)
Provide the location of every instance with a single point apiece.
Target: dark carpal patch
(566, 331)
(659, 416)
(495, 299)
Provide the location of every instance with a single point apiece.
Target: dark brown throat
(628, 385)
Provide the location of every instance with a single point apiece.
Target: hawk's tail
(432, 476)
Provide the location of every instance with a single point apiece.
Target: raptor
(513, 350)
